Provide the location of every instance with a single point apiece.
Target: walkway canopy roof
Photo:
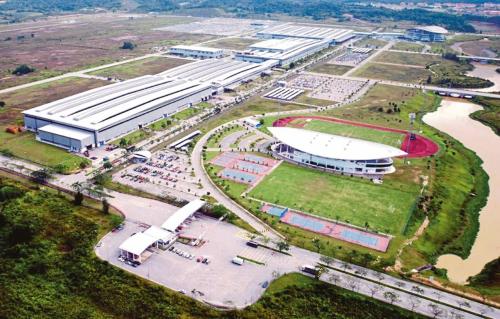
(182, 214)
(137, 243)
(159, 233)
(333, 146)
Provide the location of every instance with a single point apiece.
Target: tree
(391, 297)
(320, 270)
(435, 310)
(127, 45)
(326, 260)
(317, 244)
(78, 187)
(335, 279)
(2, 103)
(105, 206)
(418, 290)
(414, 302)
(107, 165)
(375, 289)
(283, 245)
(23, 69)
(41, 176)
(123, 142)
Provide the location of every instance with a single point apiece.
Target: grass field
(392, 73)
(352, 200)
(388, 138)
(304, 98)
(407, 46)
(146, 66)
(332, 69)
(407, 58)
(231, 43)
(372, 43)
(25, 146)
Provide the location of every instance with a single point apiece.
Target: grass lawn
(370, 43)
(232, 43)
(333, 69)
(407, 58)
(215, 140)
(25, 146)
(304, 98)
(407, 46)
(351, 199)
(392, 72)
(134, 69)
(389, 138)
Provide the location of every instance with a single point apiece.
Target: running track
(420, 147)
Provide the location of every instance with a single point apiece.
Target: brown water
(488, 72)
(453, 118)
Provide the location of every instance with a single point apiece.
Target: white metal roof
(182, 214)
(300, 31)
(333, 146)
(137, 243)
(433, 29)
(143, 154)
(159, 233)
(281, 44)
(196, 48)
(62, 130)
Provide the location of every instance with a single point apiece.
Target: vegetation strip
(400, 289)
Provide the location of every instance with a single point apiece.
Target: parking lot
(218, 281)
(167, 173)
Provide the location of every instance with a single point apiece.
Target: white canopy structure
(333, 146)
(137, 243)
(182, 214)
(159, 234)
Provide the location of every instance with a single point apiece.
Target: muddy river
(453, 118)
(488, 72)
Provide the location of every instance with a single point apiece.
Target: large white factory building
(93, 118)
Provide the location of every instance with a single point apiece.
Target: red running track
(420, 147)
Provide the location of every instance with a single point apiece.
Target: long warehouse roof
(333, 146)
(105, 106)
(292, 30)
(293, 48)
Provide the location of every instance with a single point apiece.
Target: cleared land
(372, 43)
(407, 46)
(392, 73)
(389, 138)
(332, 69)
(85, 41)
(20, 100)
(232, 43)
(134, 69)
(407, 58)
(352, 200)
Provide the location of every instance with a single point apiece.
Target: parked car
(237, 261)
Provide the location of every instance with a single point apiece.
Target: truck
(308, 269)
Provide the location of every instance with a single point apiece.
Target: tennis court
(273, 210)
(243, 167)
(238, 176)
(336, 230)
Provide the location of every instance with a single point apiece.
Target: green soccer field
(357, 201)
(364, 133)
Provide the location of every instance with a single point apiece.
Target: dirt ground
(83, 41)
(20, 100)
(142, 67)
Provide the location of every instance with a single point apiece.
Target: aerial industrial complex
(96, 117)
(333, 153)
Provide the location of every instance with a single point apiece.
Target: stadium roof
(433, 29)
(333, 146)
(138, 243)
(182, 214)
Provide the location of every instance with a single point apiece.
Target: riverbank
(453, 119)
